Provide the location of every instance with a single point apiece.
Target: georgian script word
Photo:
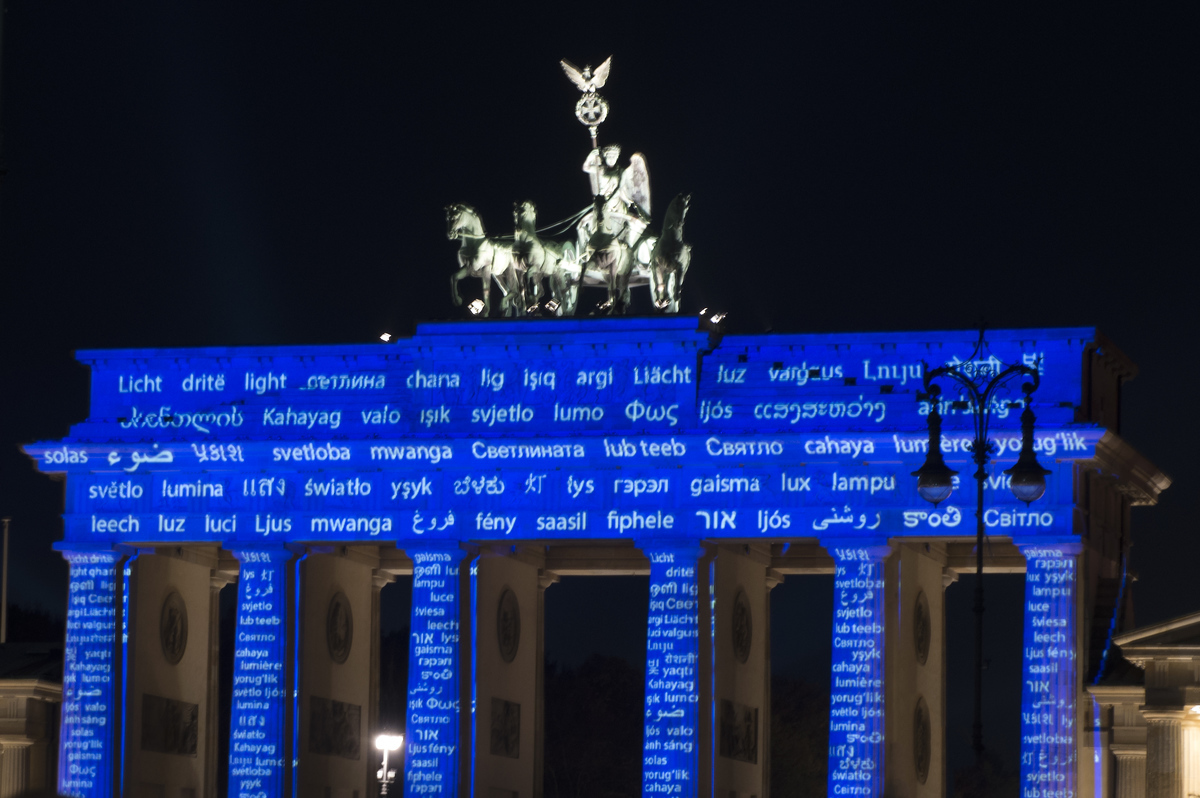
(197, 421)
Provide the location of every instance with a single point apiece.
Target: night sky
(226, 173)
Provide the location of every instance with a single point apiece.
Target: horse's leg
(455, 279)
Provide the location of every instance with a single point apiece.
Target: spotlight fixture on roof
(475, 306)
(552, 306)
(385, 337)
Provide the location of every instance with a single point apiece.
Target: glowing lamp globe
(389, 742)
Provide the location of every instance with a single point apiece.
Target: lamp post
(387, 743)
(980, 382)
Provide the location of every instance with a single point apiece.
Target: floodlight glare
(385, 337)
(389, 742)
(476, 307)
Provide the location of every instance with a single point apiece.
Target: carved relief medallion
(508, 625)
(922, 739)
(173, 627)
(339, 628)
(743, 626)
(922, 631)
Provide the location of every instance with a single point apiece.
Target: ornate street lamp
(980, 382)
(387, 743)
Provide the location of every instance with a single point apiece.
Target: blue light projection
(258, 736)
(87, 753)
(1048, 670)
(432, 747)
(856, 725)
(610, 429)
(671, 741)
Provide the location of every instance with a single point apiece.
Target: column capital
(1128, 751)
(1162, 715)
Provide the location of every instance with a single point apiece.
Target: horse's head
(525, 215)
(461, 219)
(676, 214)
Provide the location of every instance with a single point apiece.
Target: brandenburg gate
(489, 460)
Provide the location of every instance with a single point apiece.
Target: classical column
(673, 733)
(1164, 753)
(14, 768)
(1130, 778)
(1048, 672)
(212, 710)
(89, 749)
(437, 655)
(856, 720)
(379, 580)
(260, 740)
(545, 580)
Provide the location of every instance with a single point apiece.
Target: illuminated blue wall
(88, 741)
(433, 748)
(671, 737)
(1049, 686)
(856, 719)
(639, 429)
(258, 745)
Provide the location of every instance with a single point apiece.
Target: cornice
(1137, 477)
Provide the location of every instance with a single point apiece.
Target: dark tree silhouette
(799, 738)
(594, 729)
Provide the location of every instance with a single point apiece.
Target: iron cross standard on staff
(592, 109)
